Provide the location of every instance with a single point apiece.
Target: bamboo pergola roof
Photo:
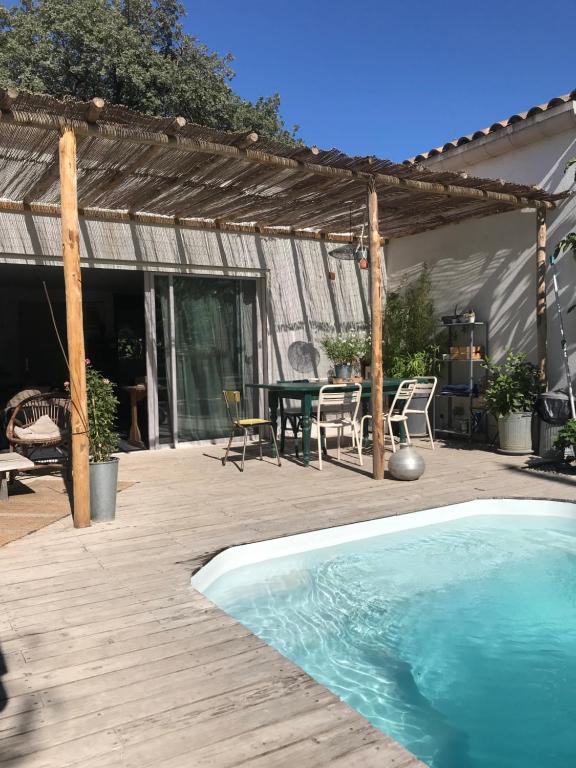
(166, 171)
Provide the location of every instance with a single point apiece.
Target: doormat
(33, 504)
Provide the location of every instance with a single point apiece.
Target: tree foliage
(131, 52)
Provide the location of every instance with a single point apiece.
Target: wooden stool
(11, 462)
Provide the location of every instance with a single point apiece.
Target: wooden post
(75, 328)
(541, 319)
(376, 311)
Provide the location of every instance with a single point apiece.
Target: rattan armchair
(56, 406)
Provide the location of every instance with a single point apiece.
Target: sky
(393, 79)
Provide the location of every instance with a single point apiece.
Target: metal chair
(233, 400)
(344, 398)
(396, 414)
(425, 387)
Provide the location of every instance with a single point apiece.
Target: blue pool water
(457, 639)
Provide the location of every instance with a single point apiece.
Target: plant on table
(346, 349)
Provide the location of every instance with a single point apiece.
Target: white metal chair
(396, 414)
(343, 401)
(425, 387)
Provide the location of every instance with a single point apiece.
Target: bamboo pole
(137, 135)
(75, 328)
(541, 318)
(157, 220)
(376, 310)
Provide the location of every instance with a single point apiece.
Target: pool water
(458, 639)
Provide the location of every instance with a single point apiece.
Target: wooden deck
(114, 660)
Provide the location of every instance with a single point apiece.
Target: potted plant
(510, 397)
(102, 409)
(567, 440)
(345, 350)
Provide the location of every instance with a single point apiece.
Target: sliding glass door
(206, 341)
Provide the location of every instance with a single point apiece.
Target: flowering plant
(346, 348)
(102, 407)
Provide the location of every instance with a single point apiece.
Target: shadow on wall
(487, 265)
(304, 304)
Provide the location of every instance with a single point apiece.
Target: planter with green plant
(345, 351)
(510, 396)
(566, 441)
(102, 410)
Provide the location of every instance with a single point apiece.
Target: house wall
(489, 264)
(301, 304)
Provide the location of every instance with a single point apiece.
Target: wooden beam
(75, 329)
(94, 110)
(541, 317)
(175, 126)
(201, 146)
(151, 219)
(376, 313)
(7, 98)
(249, 138)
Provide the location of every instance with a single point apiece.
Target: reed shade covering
(167, 171)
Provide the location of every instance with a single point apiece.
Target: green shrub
(102, 410)
(409, 329)
(512, 386)
(567, 437)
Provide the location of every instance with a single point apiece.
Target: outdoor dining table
(307, 392)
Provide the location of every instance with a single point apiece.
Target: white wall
(489, 264)
(302, 306)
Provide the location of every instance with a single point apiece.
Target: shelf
(468, 394)
(462, 360)
(447, 431)
(449, 325)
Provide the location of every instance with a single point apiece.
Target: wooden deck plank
(114, 661)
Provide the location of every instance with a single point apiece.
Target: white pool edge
(257, 552)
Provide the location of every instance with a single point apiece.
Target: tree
(131, 52)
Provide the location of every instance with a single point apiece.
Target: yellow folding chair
(233, 401)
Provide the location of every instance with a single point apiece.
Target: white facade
(489, 264)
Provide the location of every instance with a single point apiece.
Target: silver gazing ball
(406, 464)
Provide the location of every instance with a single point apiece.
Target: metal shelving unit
(472, 421)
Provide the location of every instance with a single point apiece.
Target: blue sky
(393, 78)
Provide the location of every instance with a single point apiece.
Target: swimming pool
(453, 630)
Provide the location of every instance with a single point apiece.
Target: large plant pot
(103, 487)
(343, 371)
(515, 433)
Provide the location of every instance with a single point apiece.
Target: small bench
(11, 462)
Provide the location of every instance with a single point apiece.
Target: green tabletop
(307, 392)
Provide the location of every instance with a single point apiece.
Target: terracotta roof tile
(497, 126)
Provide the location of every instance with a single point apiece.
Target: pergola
(104, 161)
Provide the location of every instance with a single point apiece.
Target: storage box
(463, 353)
